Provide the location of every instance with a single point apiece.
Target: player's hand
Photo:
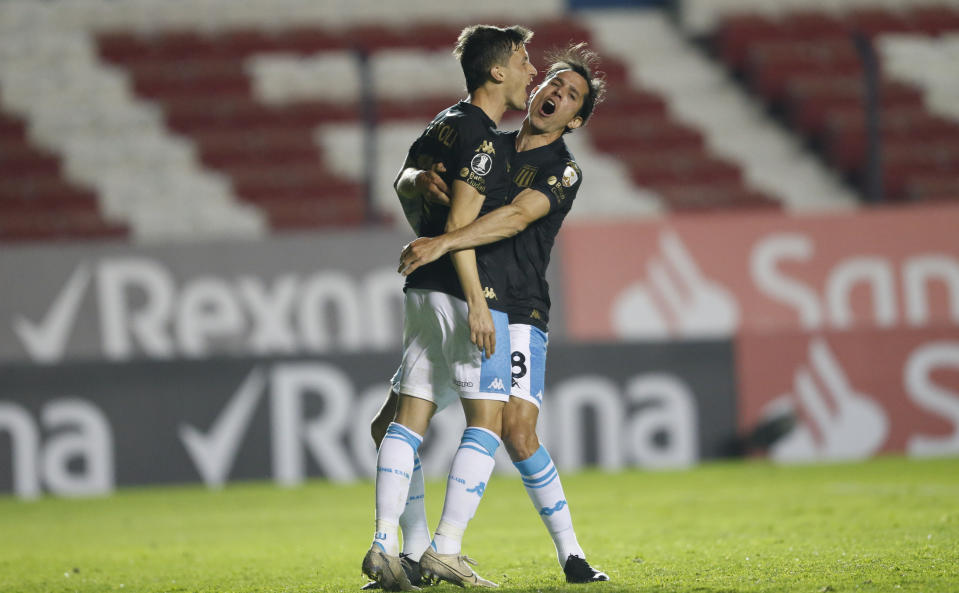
(418, 253)
(431, 186)
(482, 330)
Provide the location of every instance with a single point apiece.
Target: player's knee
(519, 438)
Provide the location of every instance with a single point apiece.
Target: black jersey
(465, 140)
(552, 171)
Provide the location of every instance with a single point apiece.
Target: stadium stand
(737, 135)
(34, 200)
(803, 63)
(159, 121)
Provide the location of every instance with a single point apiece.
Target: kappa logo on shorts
(497, 384)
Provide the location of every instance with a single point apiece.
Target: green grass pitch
(887, 525)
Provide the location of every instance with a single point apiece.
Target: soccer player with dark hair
(454, 318)
(544, 182)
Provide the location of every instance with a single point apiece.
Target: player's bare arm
(415, 185)
(465, 206)
(504, 222)
(412, 183)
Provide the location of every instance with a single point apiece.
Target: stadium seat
(803, 64)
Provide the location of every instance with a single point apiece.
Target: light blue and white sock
(546, 491)
(416, 532)
(469, 473)
(394, 468)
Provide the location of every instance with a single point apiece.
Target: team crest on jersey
(481, 164)
(487, 147)
(524, 177)
(570, 175)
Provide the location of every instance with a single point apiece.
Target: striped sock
(546, 491)
(394, 467)
(469, 473)
(416, 532)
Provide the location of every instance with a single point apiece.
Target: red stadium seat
(877, 21)
(737, 34)
(686, 197)
(935, 20)
(934, 186)
(48, 225)
(813, 26)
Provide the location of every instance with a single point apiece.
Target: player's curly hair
(480, 47)
(582, 61)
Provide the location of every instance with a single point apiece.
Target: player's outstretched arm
(465, 206)
(504, 222)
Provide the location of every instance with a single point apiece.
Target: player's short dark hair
(480, 47)
(582, 61)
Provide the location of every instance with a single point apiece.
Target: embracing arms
(502, 223)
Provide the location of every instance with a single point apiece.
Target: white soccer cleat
(386, 570)
(453, 568)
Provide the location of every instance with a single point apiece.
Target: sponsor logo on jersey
(570, 175)
(487, 147)
(525, 176)
(481, 164)
(558, 192)
(496, 384)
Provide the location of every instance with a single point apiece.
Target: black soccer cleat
(410, 567)
(577, 570)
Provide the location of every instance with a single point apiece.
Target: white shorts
(440, 363)
(528, 346)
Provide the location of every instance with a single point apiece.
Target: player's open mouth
(548, 107)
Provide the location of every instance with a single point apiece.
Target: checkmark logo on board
(45, 340)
